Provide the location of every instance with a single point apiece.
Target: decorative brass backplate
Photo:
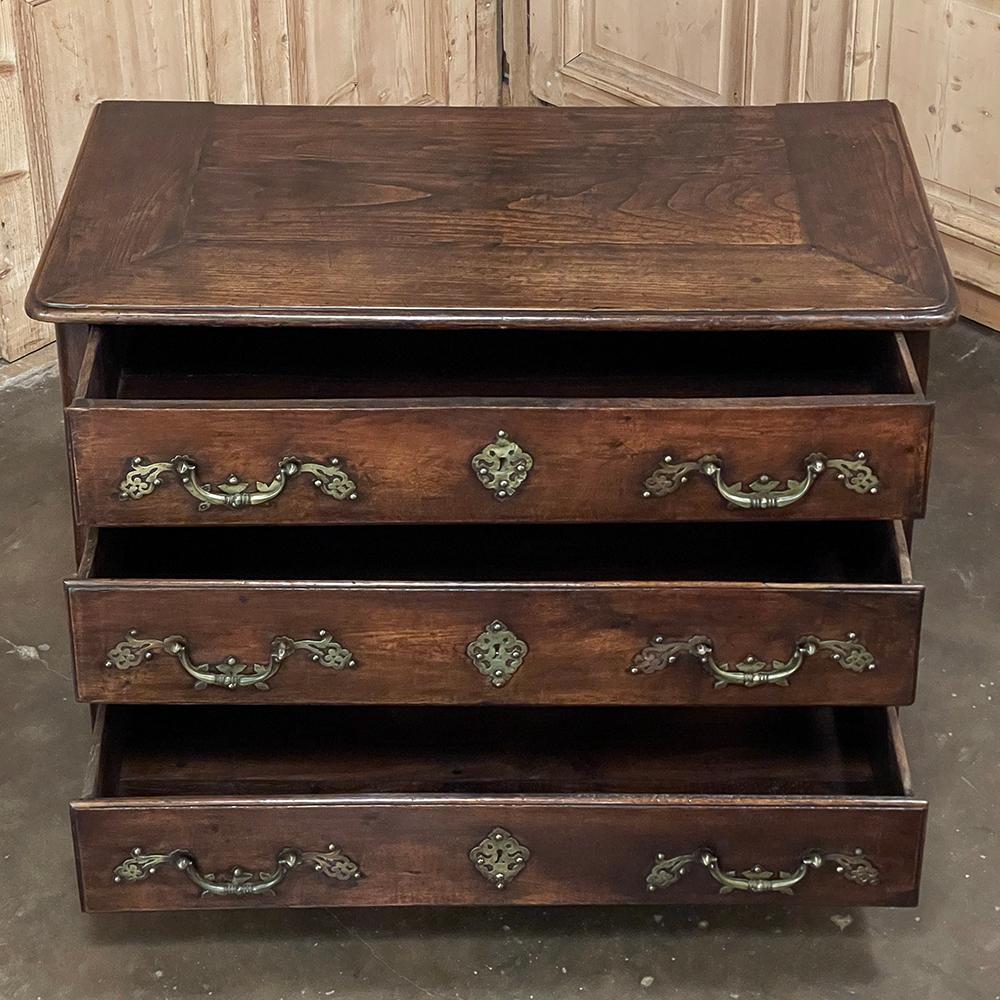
(751, 672)
(333, 863)
(144, 476)
(765, 492)
(231, 673)
(497, 653)
(502, 466)
(853, 866)
(499, 857)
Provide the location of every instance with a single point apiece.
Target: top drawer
(192, 425)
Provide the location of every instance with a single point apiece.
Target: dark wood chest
(495, 499)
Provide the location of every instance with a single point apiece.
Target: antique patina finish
(499, 319)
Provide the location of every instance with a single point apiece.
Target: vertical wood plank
(516, 47)
(486, 45)
(226, 51)
(775, 51)
(19, 232)
(273, 48)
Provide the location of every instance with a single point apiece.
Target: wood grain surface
(409, 604)
(793, 217)
(412, 843)
(407, 418)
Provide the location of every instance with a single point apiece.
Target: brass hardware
(764, 493)
(499, 857)
(751, 672)
(231, 672)
(497, 653)
(333, 863)
(502, 466)
(854, 867)
(144, 476)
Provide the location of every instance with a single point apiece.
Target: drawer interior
(200, 363)
(274, 750)
(814, 552)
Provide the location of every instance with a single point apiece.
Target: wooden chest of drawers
(473, 500)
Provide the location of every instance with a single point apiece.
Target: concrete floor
(947, 948)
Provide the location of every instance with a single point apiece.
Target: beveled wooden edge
(898, 748)
(952, 301)
(901, 553)
(31, 300)
(578, 800)
(908, 368)
(797, 122)
(96, 768)
(912, 377)
(95, 357)
(512, 403)
(85, 567)
(617, 320)
(151, 583)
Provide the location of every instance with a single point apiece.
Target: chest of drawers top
(797, 216)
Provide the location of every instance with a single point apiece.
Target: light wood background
(59, 57)
(938, 59)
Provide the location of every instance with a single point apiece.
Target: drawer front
(505, 644)
(551, 461)
(385, 851)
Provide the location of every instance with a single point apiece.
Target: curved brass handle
(333, 863)
(764, 493)
(751, 672)
(853, 866)
(144, 476)
(231, 672)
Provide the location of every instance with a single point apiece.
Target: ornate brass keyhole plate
(499, 857)
(502, 466)
(497, 652)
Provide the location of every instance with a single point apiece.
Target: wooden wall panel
(617, 52)
(939, 60)
(942, 67)
(59, 57)
(19, 224)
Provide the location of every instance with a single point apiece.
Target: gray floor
(947, 948)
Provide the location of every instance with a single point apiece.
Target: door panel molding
(939, 60)
(60, 57)
(572, 61)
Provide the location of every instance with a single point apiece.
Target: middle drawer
(798, 613)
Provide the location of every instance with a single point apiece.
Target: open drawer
(206, 807)
(655, 614)
(223, 426)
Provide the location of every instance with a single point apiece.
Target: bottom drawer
(202, 806)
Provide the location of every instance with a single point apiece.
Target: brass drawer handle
(764, 493)
(144, 476)
(502, 466)
(333, 863)
(231, 672)
(751, 672)
(853, 866)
